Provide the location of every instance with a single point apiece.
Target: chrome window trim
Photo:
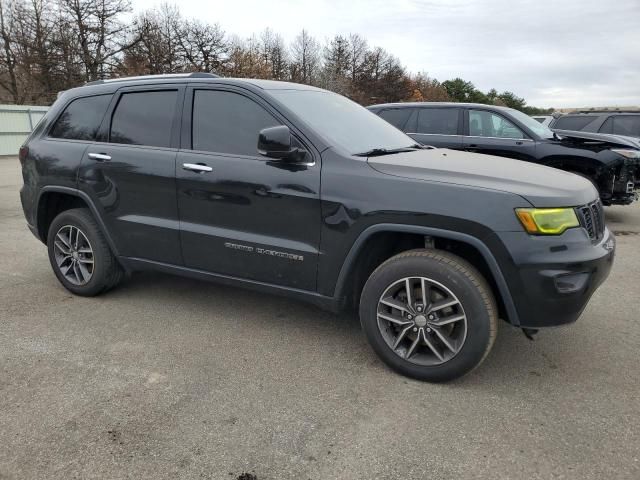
(501, 138)
(438, 134)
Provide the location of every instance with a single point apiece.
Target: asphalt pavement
(170, 378)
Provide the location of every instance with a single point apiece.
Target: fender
(436, 232)
(80, 194)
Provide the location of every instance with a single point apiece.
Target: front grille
(591, 217)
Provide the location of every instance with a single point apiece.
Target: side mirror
(275, 142)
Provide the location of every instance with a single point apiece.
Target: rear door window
(487, 124)
(438, 121)
(397, 117)
(144, 118)
(573, 122)
(628, 125)
(81, 119)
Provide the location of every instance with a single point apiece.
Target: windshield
(531, 123)
(343, 122)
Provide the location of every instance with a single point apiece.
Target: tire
(446, 348)
(97, 271)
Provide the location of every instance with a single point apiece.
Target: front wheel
(429, 315)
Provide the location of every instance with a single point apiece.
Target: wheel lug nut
(415, 329)
(419, 309)
(410, 317)
(431, 317)
(429, 330)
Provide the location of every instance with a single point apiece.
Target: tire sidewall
(79, 219)
(476, 308)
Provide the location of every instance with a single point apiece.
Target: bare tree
(8, 58)
(358, 50)
(203, 46)
(101, 35)
(305, 58)
(336, 65)
(273, 54)
(155, 42)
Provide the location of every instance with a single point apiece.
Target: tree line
(52, 45)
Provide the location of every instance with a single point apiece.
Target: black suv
(613, 122)
(294, 190)
(612, 163)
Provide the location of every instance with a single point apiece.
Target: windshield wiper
(378, 152)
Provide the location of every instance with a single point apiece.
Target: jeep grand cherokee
(294, 190)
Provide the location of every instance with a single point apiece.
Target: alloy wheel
(422, 321)
(74, 255)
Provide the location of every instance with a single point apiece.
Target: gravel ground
(172, 378)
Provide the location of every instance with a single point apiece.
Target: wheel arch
(351, 273)
(584, 165)
(54, 199)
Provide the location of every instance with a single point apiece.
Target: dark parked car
(612, 122)
(294, 190)
(612, 163)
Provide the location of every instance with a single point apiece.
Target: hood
(541, 186)
(600, 137)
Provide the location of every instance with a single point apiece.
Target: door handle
(196, 167)
(101, 157)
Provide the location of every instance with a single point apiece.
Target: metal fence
(16, 122)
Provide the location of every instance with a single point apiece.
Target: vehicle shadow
(209, 307)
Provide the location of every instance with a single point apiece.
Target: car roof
(438, 104)
(598, 114)
(110, 85)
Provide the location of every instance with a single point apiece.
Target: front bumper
(552, 278)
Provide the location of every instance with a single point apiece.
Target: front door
(242, 214)
(493, 134)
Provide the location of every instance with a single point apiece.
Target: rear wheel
(80, 255)
(429, 315)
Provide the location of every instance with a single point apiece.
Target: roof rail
(159, 76)
(607, 110)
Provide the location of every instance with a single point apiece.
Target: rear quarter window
(81, 119)
(573, 122)
(628, 125)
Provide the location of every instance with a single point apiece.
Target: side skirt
(138, 264)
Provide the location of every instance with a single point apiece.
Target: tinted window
(443, 121)
(144, 118)
(81, 119)
(607, 126)
(228, 122)
(628, 125)
(487, 124)
(397, 116)
(573, 122)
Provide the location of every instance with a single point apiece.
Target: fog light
(572, 282)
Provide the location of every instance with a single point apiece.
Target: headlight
(547, 221)
(628, 153)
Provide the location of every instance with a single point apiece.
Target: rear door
(242, 214)
(493, 134)
(130, 172)
(437, 126)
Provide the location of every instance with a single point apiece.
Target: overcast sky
(564, 53)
